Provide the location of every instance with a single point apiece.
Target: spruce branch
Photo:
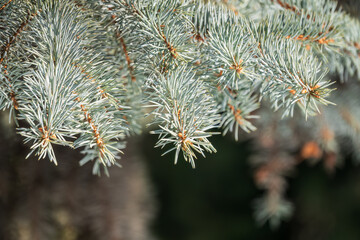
(78, 73)
(5, 4)
(291, 76)
(233, 49)
(128, 60)
(60, 71)
(237, 112)
(164, 35)
(184, 112)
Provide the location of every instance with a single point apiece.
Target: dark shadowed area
(215, 201)
(151, 198)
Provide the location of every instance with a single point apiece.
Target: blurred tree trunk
(39, 200)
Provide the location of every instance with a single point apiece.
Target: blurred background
(151, 198)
